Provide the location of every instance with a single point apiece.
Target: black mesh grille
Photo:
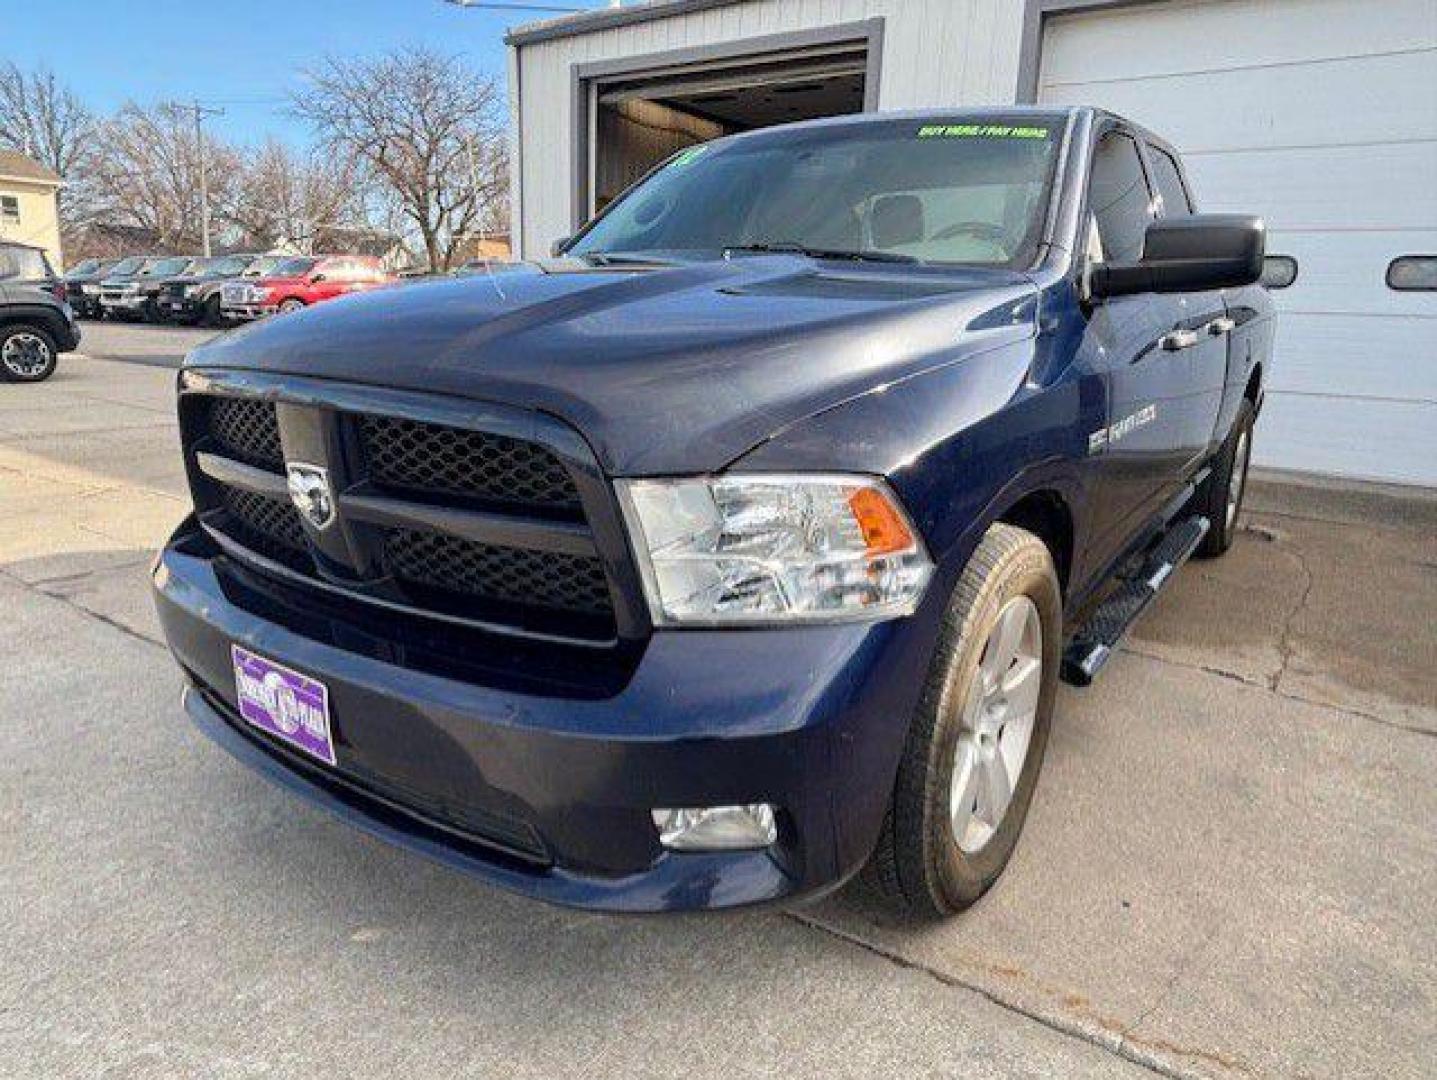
(411, 456)
(247, 430)
(269, 526)
(514, 575)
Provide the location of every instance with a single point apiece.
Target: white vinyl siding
(1321, 115)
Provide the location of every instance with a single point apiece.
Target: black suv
(36, 325)
(82, 286)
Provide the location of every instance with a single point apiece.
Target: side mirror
(317, 278)
(559, 246)
(1188, 254)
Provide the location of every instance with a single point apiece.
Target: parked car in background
(301, 281)
(194, 297)
(82, 286)
(153, 280)
(36, 324)
(28, 265)
(120, 289)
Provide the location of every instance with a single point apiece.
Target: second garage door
(1321, 115)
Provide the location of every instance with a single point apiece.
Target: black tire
(1212, 499)
(27, 353)
(918, 865)
(290, 305)
(210, 314)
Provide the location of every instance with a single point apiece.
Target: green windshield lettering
(981, 131)
(688, 157)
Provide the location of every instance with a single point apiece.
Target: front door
(1140, 454)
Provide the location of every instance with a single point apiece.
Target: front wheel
(976, 744)
(27, 354)
(288, 307)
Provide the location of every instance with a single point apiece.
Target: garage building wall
(1320, 115)
(949, 52)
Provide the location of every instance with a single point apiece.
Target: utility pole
(201, 111)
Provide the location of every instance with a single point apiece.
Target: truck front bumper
(247, 312)
(549, 791)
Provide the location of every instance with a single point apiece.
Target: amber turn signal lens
(884, 530)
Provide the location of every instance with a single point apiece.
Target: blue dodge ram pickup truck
(742, 547)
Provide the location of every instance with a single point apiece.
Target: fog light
(717, 828)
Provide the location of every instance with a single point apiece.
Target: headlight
(192, 290)
(90, 290)
(772, 549)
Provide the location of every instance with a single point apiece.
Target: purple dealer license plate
(288, 705)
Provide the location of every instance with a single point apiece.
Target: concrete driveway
(1230, 868)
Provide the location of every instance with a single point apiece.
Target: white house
(1319, 114)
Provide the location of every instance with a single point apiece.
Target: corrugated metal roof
(607, 19)
(16, 166)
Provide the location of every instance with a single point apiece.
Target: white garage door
(1321, 115)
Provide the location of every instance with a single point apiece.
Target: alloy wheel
(25, 355)
(997, 725)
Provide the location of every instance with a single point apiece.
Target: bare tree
(46, 121)
(283, 194)
(427, 128)
(146, 172)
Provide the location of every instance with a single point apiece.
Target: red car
(301, 281)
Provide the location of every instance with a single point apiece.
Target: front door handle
(1220, 326)
(1178, 339)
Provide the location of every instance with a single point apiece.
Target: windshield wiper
(788, 248)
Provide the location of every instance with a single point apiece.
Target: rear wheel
(27, 353)
(976, 744)
(1220, 498)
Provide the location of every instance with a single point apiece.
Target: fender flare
(47, 318)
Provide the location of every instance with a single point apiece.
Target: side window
(10, 208)
(1118, 196)
(1169, 181)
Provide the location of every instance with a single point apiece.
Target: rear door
(1139, 454)
(1196, 325)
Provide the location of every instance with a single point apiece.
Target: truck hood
(669, 370)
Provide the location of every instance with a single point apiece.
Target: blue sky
(241, 56)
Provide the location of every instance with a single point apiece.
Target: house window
(10, 208)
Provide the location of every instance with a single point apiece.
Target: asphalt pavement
(1230, 868)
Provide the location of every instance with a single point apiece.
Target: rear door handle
(1178, 339)
(1220, 326)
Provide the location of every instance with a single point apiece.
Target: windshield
(956, 191)
(168, 267)
(229, 266)
(89, 266)
(293, 268)
(128, 266)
